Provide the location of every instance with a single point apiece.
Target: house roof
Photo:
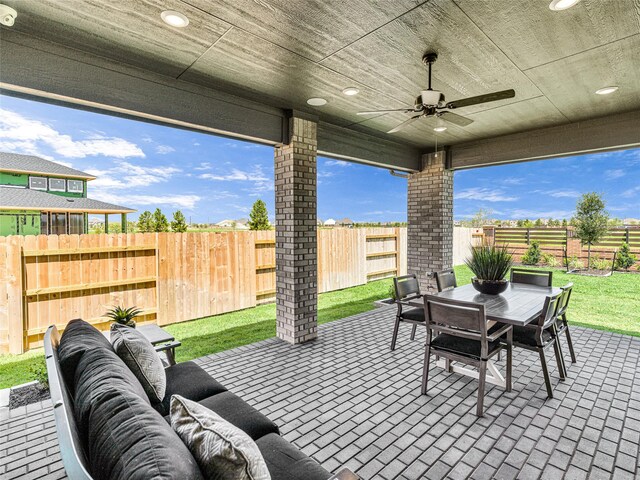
(15, 162)
(26, 199)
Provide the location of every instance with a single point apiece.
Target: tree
(160, 222)
(259, 217)
(533, 255)
(625, 259)
(145, 222)
(538, 223)
(178, 224)
(591, 221)
(564, 222)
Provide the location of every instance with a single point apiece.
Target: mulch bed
(27, 395)
(592, 272)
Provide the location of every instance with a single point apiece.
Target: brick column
(430, 217)
(296, 235)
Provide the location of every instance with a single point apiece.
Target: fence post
(15, 310)
(626, 235)
(528, 236)
(489, 232)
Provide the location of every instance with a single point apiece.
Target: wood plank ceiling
(282, 52)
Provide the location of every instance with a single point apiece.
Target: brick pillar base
(296, 236)
(430, 217)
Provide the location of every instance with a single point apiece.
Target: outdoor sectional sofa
(108, 428)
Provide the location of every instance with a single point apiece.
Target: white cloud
(187, 202)
(337, 163)
(126, 175)
(484, 194)
(533, 214)
(632, 192)
(560, 193)
(261, 182)
(325, 174)
(29, 135)
(613, 174)
(164, 149)
(513, 181)
(203, 166)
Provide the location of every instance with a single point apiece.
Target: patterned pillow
(222, 450)
(139, 355)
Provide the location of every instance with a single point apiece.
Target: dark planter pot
(489, 287)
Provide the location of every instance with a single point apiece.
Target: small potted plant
(123, 316)
(490, 265)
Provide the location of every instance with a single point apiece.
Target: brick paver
(345, 399)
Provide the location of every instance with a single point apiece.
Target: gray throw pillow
(139, 355)
(222, 450)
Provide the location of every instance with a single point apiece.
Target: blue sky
(209, 178)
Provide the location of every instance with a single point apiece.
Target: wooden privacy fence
(48, 280)
(557, 240)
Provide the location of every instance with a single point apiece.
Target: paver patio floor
(345, 399)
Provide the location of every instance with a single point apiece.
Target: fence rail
(558, 240)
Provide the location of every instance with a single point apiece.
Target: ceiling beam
(613, 132)
(36, 69)
(347, 144)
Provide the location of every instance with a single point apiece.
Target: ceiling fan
(431, 103)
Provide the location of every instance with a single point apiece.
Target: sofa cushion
(143, 360)
(189, 381)
(221, 450)
(286, 462)
(239, 413)
(78, 337)
(124, 437)
(98, 373)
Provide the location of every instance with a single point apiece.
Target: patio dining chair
(540, 335)
(445, 280)
(561, 318)
(541, 278)
(407, 288)
(463, 337)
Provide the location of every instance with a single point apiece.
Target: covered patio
(346, 400)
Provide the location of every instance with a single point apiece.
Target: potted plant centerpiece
(123, 316)
(490, 265)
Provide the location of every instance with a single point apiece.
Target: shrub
(624, 258)
(598, 263)
(550, 260)
(39, 372)
(533, 255)
(574, 263)
(123, 316)
(392, 291)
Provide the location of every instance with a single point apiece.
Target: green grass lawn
(609, 303)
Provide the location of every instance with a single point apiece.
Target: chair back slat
(446, 280)
(456, 314)
(563, 304)
(549, 311)
(531, 277)
(406, 286)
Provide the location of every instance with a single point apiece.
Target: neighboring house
(38, 196)
(330, 223)
(345, 222)
(237, 224)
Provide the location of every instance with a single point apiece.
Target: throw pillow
(141, 358)
(222, 450)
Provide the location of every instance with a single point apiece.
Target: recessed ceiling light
(175, 19)
(607, 90)
(557, 5)
(440, 129)
(316, 101)
(351, 91)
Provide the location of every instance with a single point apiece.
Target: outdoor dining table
(519, 305)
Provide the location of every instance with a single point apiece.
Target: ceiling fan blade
(456, 119)
(404, 124)
(375, 112)
(488, 97)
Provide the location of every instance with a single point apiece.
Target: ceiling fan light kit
(431, 103)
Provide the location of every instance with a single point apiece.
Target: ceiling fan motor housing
(430, 97)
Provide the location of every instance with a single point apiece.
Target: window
(44, 223)
(58, 224)
(37, 183)
(75, 186)
(57, 185)
(76, 223)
